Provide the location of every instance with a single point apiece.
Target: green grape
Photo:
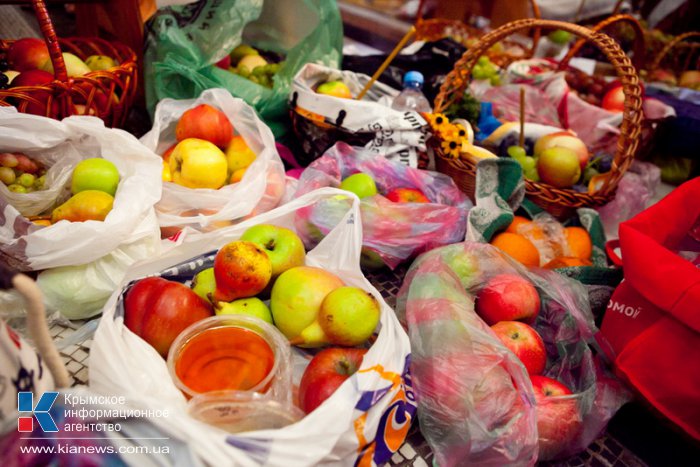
(479, 73)
(254, 79)
(517, 153)
(258, 71)
(532, 175)
(264, 80)
(490, 69)
(243, 71)
(589, 173)
(274, 68)
(495, 80)
(528, 163)
(483, 60)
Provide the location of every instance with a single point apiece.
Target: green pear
(348, 316)
(204, 284)
(74, 65)
(100, 62)
(251, 306)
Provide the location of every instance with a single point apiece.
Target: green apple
(251, 306)
(559, 167)
(349, 316)
(361, 184)
(559, 36)
(284, 247)
(204, 284)
(95, 174)
(296, 302)
(334, 88)
(26, 180)
(74, 65)
(370, 259)
(100, 62)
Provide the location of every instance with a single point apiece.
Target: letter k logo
(25, 403)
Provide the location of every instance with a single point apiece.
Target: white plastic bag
(260, 189)
(367, 418)
(394, 134)
(68, 142)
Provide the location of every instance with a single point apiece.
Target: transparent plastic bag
(204, 209)
(476, 402)
(392, 232)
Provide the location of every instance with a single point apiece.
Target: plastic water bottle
(412, 98)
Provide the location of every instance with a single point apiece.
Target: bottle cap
(415, 77)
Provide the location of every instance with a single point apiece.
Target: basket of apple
(73, 194)
(554, 192)
(259, 335)
(405, 211)
(501, 360)
(220, 163)
(58, 78)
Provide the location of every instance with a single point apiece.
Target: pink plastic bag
(392, 232)
(475, 400)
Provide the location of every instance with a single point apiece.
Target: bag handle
(36, 322)
(610, 247)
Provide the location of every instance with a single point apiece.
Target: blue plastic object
(487, 122)
(413, 77)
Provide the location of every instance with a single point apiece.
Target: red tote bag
(653, 319)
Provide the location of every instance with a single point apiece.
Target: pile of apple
(207, 154)
(364, 186)
(509, 304)
(20, 173)
(688, 79)
(247, 62)
(310, 306)
(559, 159)
(28, 64)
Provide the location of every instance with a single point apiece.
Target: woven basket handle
(676, 40)
(639, 47)
(49, 33)
(457, 80)
(36, 322)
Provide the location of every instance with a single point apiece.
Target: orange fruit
(517, 221)
(579, 242)
(518, 247)
(566, 262)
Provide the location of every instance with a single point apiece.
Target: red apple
(36, 78)
(326, 372)
(32, 78)
(157, 310)
(614, 100)
(563, 139)
(224, 63)
(524, 342)
(508, 297)
(558, 418)
(664, 76)
(207, 123)
(242, 269)
(407, 195)
(166, 154)
(27, 54)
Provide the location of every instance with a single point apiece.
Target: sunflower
(437, 122)
(461, 131)
(451, 147)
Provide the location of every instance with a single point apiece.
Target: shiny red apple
(558, 418)
(157, 310)
(614, 100)
(407, 195)
(524, 342)
(224, 63)
(507, 297)
(36, 78)
(326, 372)
(563, 139)
(207, 123)
(27, 54)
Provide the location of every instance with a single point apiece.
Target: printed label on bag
(629, 311)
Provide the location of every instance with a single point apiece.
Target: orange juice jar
(231, 353)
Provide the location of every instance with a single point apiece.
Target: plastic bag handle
(610, 246)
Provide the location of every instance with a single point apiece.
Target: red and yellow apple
(157, 310)
(334, 88)
(614, 100)
(88, 205)
(407, 195)
(507, 297)
(524, 342)
(348, 316)
(238, 154)
(690, 79)
(563, 139)
(558, 418)
(663, 76)
(559, 167)
(207, 123)
(196, 163)
(241, 269)
(27, 54)
(326, 372)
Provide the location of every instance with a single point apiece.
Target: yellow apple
(195, 163)
(238, 154)
(74, 65)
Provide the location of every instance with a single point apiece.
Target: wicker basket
(105, 94)
(560, 202)
(688, 58)
(434, 29)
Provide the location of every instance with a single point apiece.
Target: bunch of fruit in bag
(93, 185)
(208, 153)
(263, 274)
(364, 186)
(559, 159)
(544, 242)
(509, 304)
(27, 63)
(256, 65)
